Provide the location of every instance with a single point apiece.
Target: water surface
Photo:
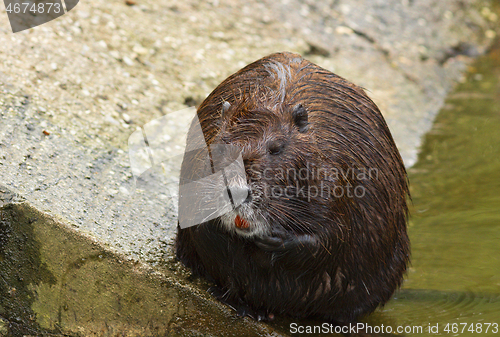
(455, 221)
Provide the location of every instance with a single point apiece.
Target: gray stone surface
(73, 90)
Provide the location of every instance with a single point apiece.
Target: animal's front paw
(278, 242)
(270, 243)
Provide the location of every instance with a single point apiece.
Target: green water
(455, 221)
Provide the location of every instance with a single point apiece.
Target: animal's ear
(300, 118)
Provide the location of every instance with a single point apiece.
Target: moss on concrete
(55, 281)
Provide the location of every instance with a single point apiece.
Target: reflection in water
(455, 222)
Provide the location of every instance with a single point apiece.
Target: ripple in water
(426, 306)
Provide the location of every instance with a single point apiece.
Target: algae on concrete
(55, 281)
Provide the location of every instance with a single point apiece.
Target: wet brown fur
(348, 255)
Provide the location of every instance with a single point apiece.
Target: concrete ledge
(55, 281)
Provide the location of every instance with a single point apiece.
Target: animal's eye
(276, 147)
(300, 117)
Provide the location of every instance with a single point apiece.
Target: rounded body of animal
(322, 229)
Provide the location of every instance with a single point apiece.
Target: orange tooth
(241, 223)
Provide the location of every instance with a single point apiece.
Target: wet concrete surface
(55, 281)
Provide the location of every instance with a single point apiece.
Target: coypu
(322, 230)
